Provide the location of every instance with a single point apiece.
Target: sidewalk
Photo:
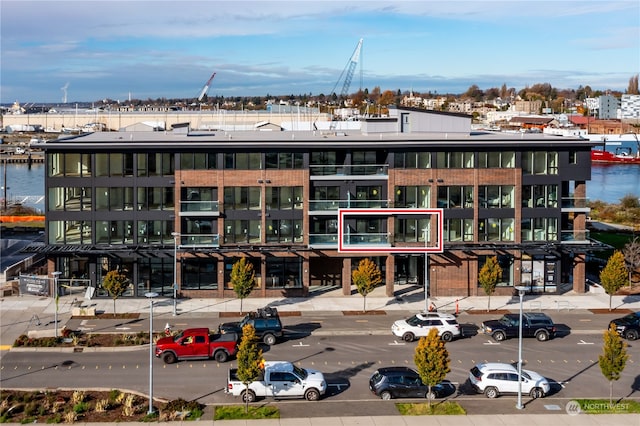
(19, 314)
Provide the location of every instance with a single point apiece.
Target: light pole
(150, 296)
(176, 235)
(55, 274)
(519, 405)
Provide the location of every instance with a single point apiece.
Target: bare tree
(631, 252)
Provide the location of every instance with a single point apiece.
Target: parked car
(265, 321)
(197, 343)
(279, 379)
(420, 324)
(534, 324)
(496, 378)
(405, 382)
(628, 326)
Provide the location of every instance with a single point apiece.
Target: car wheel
(408, 337)
(431, 395)
(220, 356)
(248, 396)
(447, 337)
(491, 392)
(312, 395)
(631, 334)
(169, 358)
(385, 395)
(542, 336)
(499, 336)
(536, 393)
(269, 339)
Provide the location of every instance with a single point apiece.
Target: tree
(631, 252)
(432, 361)
(366, 277)
(633, 88)
(488, 278)
(614, 275)
(116, 284)
(249, 359)
(614, 357)
(243, 279)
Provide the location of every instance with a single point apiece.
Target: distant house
(529, 123)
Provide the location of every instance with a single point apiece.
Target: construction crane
(205, 89)
(349, 69)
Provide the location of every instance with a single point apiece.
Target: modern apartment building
(305, 206)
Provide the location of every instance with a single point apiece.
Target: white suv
(495, 378)
(419, 326)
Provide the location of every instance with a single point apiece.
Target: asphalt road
(348, 352)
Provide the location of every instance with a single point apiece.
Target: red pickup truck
(197, 343)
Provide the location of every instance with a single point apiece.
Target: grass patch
(602, 406)
(445, 408)
(615, 239)
(237, 412)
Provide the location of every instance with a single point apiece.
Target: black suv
(404, 382)
(534, 324)
(266, 322)
(628, 326)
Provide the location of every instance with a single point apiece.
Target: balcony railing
(334, 205)
(199, 240)
(574, 203)
(367, 239)
(199, 208)
(374, 170)
(329, 240)
(574, 236)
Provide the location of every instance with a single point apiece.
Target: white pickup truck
(280, 379)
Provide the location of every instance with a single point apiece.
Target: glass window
(412, 160)
(540, 163)
(199, 273)
(412, 196)
(284, 231)
(454, 160)
(243, 198)
(500, 159)
(458, 230)
(411, 230)
(494, 196)
(242, 231)
(283, 272)
(506, 264)
(455, 197)
(496, 229)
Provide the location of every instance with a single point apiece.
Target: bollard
(457, 309)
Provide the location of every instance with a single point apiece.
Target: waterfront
(609, 183)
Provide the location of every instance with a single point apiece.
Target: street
(569, 362)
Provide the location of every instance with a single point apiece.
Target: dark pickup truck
(265, 321)
(197, 343)
(534, 324)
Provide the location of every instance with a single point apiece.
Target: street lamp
(150, 296)
(176, 235)
(519, 405)
(55, 274)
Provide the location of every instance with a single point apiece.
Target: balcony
(323, 240)
(574, 236)
(367, 239)
(199, 208)
(199, 240)
(361, 172)
(332, 206)
(575, 204)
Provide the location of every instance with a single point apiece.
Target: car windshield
(508, 321)
(301, 372)
(414, 320)
(178, 336)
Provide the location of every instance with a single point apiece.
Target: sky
(89, 50)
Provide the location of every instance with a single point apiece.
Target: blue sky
(168, 49)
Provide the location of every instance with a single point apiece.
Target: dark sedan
(404, 382)
(628, 326)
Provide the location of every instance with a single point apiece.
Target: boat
(621, 154)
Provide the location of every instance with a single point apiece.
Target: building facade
(304, 207)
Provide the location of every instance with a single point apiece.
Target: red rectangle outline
(439, 213)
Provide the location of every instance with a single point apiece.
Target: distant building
(608, 107)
